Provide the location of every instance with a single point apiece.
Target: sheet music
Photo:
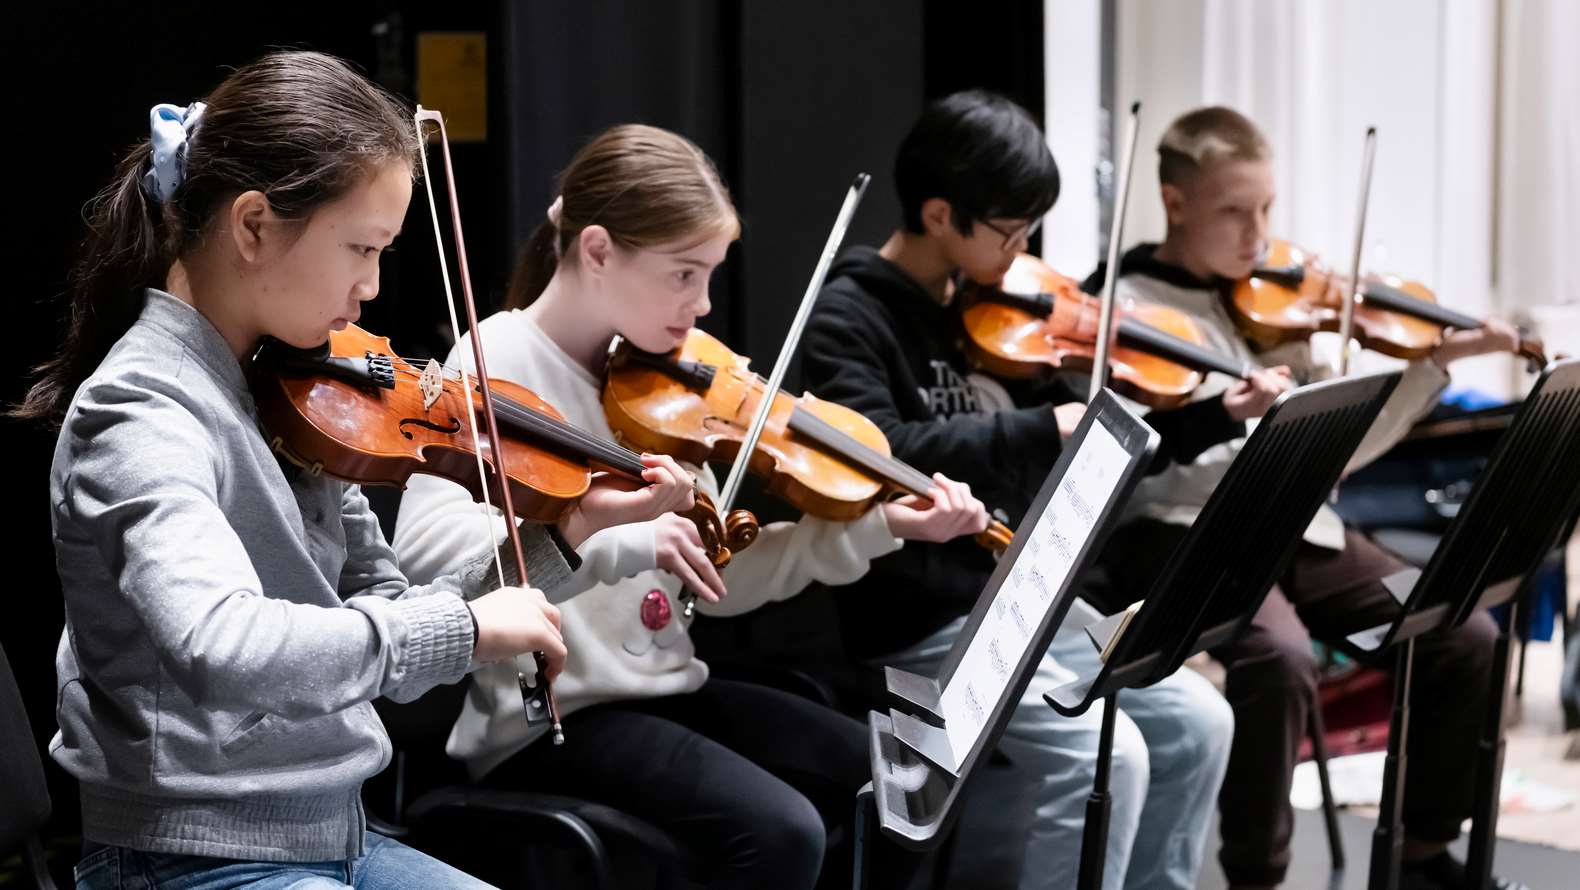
(1029, 590)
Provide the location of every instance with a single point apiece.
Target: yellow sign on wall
(452, 77)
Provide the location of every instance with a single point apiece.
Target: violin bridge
(431, 383)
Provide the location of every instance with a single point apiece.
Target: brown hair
(300, 127)
(645, 185)
(1205, 137)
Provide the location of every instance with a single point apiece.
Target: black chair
(22, 775)
(426, 798)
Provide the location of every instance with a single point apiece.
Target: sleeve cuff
(613, 554)
(439, 639)
(870, 536)
(567, 552)
(1031, 433)
(1426, 376)
(636, 550)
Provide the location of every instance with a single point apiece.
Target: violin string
(847, 445)
(526, 414)
(897, 471)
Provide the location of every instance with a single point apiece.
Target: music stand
(1519, 505)
(926, 750)
(1216, 578)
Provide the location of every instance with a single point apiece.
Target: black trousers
(1271, 683)
(755, 780)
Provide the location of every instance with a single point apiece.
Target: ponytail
(123, 253)
(535, 265)
(302, 128)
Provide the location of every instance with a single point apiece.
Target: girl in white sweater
(745, 774)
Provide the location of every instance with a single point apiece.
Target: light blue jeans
(1171, 746)
(384, 865)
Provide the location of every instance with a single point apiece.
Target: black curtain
(790, 101)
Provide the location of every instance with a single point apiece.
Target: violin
(1037, 319)
(1291, 295)
(357, 411)
(696, 401)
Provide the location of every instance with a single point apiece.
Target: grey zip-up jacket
(228, 624)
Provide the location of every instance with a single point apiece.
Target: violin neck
(844, 446)
(693, 375)
(892, 470)
(1395, 300)
(1149, 339)
(1381, 296)
(1284, 276)
(557, 435)
(698, 375)
(1039, 304)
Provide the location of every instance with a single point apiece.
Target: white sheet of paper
(1028, 591)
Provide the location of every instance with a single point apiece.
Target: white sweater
(1178, 494)
(613, 653)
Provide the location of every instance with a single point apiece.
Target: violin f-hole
(713, 423)
(452, 429)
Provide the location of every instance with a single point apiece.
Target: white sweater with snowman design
(622, 623)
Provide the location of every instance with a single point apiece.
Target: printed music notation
(1030, 588)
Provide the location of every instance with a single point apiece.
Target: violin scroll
(1534, 353)
(996, 537)
(722, 537)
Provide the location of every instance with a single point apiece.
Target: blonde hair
(1208, 136)
(645, 185)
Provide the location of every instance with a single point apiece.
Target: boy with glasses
(975, 177)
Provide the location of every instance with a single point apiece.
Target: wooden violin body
(697, 402)
(1038, 319)
(357, 411)
(1291, 296)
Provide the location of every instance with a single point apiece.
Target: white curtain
(1539, 185)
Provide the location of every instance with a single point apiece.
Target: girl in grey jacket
(229, 619)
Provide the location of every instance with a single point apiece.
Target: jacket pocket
(246, 733)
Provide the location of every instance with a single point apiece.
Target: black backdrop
(791, 100)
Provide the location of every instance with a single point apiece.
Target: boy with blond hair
(1216, 176)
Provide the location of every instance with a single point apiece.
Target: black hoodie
(879, 344)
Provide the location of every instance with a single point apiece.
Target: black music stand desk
(1519, 506)
(926, 750)
(1216, 578)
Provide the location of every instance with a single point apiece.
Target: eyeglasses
(1024, 233)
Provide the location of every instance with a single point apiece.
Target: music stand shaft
(1094, 835)
(1388, 837)
(1489, 761)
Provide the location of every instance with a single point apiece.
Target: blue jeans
(384, 865)
(1171, 745)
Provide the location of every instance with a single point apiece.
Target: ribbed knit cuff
(438, 638)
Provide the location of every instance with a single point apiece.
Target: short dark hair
(980, 152)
